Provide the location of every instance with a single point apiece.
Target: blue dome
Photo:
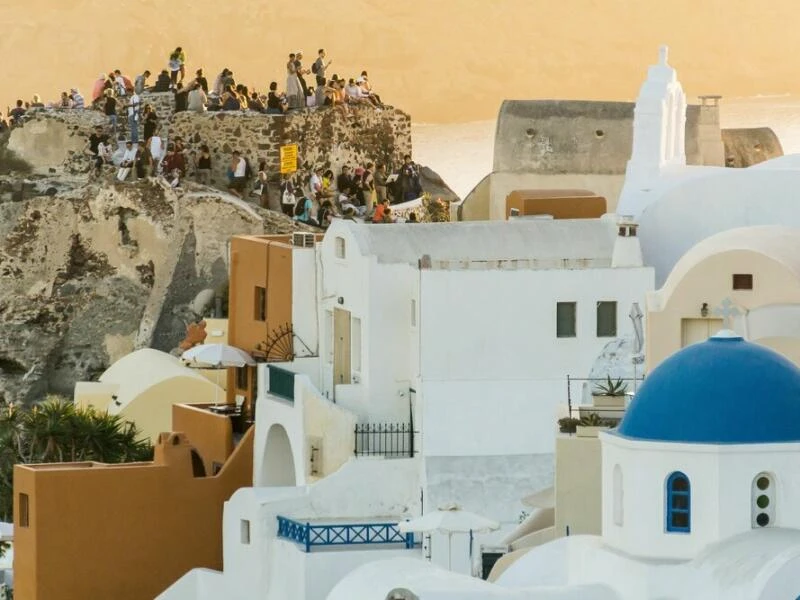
(722, 391)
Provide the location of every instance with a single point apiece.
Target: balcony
(350, 534)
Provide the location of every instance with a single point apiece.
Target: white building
(464, 333)
(700, 484)
(473, 329)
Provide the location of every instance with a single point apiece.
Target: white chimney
(627, 250)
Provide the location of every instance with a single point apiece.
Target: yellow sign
(289, 158)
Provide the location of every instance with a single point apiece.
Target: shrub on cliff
(10, 162)
(58, 431)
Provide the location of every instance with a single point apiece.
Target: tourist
(368, 88)
(367, 187)
(197, 100)
(65, 101)
(372, 99)
(298, 63)
(149, 121)
(133, 117)
(140, 85)
(105, 154)
(163, 83)
(354, 93)
(77, 99)
(177, 64)
(288, 199)
(302, 211)
(325, 214)
(294, 90)
(238, 168)
(230, 99)
(95, 138)
(408, 180)
(315, 183)
(127, 161)
(142, 163)
(201, 80)
(121, 84)
(37, 101)
(255, 103)
(110, 109)
(174, 166)
(380, 183)
(344, 182)
(203, 166)
(380, 212)
(319, 67)
(276, 104)
(219, 82)
(15, 114)
(263, 184)
(181, 98)
(155, 148)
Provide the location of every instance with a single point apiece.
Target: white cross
(727, 310)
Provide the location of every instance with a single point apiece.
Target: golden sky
(441, 60)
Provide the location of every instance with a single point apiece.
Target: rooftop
(551, 242)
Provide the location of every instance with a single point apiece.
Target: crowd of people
(315, 198)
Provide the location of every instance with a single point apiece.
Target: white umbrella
(216, 356)
(449, 519)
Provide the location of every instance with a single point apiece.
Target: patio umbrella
(449, 519)
(216, 356)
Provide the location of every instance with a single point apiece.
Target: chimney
(627, 250)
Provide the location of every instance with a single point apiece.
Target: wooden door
(341, 347)
(698, 330)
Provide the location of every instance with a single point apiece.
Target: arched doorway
(278, 465)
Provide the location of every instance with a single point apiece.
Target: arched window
(679, 503)
(617, 500)
(762, 501)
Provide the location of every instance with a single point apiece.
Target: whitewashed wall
(493, 370)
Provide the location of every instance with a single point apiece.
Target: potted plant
(589, 425)
(568, 424)
(610, 393)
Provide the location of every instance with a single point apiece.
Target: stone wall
(326, 137)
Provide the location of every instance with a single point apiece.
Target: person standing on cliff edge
(319, 67)
(298, 64)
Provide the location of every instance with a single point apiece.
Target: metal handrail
(309, 535)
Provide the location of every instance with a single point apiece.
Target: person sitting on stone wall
(201, 80)
(365, 93)
(140, 85)
(368, 87)
(181, 98)
(197, 99)
(65, 101)
(37, 101)
(354, 94)
(255, 103)
(77, 99)
(127, 161)
(276, 103)
(163, 82)
(155, 148)
(230, 99)
(174, 166)
(15, 114)
(103, 156)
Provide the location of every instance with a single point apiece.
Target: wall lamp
(340, 300)
(704, 309)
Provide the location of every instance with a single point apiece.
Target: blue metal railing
(309, 535)
(281, 383)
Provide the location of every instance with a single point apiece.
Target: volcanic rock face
(93, 272)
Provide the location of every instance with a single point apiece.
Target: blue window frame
(679, 503)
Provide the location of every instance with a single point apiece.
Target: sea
(461, 153)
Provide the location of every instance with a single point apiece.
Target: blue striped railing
(309, 535)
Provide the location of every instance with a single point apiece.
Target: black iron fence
(391, 440)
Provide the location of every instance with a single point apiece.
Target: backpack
(315, 68)
(300, 207)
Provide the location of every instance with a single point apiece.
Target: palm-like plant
(57, 431)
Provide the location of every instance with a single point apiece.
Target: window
(679, 518)
(340, 249)
(618, 511)
(565, 319)
(244, 531)
(413, 313)
(355, 344)
(24, 510)
(763, 501)
(260, 304)
(606, 319)
(241, 378)
(742, 281)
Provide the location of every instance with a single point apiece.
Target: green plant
(611, 388)
(595, 420)
(57, 431)
(568, 424)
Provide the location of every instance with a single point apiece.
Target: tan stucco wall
(710, 281)
(331, 425)
(559, 206)
(208, 433)
(94, 393)
(578, 486)
(257, 261)
(125, 532)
